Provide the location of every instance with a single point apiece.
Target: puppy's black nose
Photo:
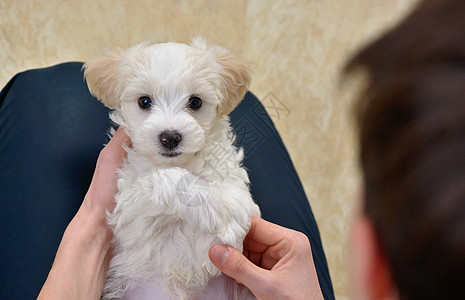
(170, 139)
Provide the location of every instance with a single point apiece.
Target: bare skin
(277, 262)
(81, 263)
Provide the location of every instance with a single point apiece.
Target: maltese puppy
(182, 187)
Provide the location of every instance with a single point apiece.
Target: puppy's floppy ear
(103, 77)
(236, 77)
(235, 74)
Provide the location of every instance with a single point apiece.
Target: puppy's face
(169, 95)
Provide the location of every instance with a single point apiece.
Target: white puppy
(182, 187)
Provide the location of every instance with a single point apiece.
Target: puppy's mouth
(171, 154)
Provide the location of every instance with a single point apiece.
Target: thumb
(232, 263)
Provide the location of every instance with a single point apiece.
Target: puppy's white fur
(171, 210)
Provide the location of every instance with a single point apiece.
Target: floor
(298, 48)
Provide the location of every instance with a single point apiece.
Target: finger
(264, 260)
(266, 233)
(256, 258)
(232, 263)
(252, 245)
(120, 138)
(113, 153)
(245, 253)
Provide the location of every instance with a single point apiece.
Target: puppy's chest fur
(167, 218)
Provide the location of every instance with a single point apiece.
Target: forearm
(81, 263)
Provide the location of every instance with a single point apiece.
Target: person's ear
(370, 272)
(103, 77)
(235, 74)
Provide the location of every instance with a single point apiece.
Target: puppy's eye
(194, 103)
(145, 102)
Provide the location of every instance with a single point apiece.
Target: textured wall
(298, 48)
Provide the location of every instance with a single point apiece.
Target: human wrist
(82, 258)
(91, 223)
(88, 236)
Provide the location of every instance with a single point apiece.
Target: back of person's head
(412, 140)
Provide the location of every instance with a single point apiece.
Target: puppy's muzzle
(170, 139)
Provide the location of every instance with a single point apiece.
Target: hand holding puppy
(277, 263)
(103, 186)
(81, 263)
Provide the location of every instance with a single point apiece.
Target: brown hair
(412, 141)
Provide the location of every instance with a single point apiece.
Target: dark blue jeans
(51, 132)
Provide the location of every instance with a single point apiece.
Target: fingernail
(219, 254)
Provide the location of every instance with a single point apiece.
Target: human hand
(277, 263)
(103, 186)
(81, 263)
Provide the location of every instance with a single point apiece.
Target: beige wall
(298, 48)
